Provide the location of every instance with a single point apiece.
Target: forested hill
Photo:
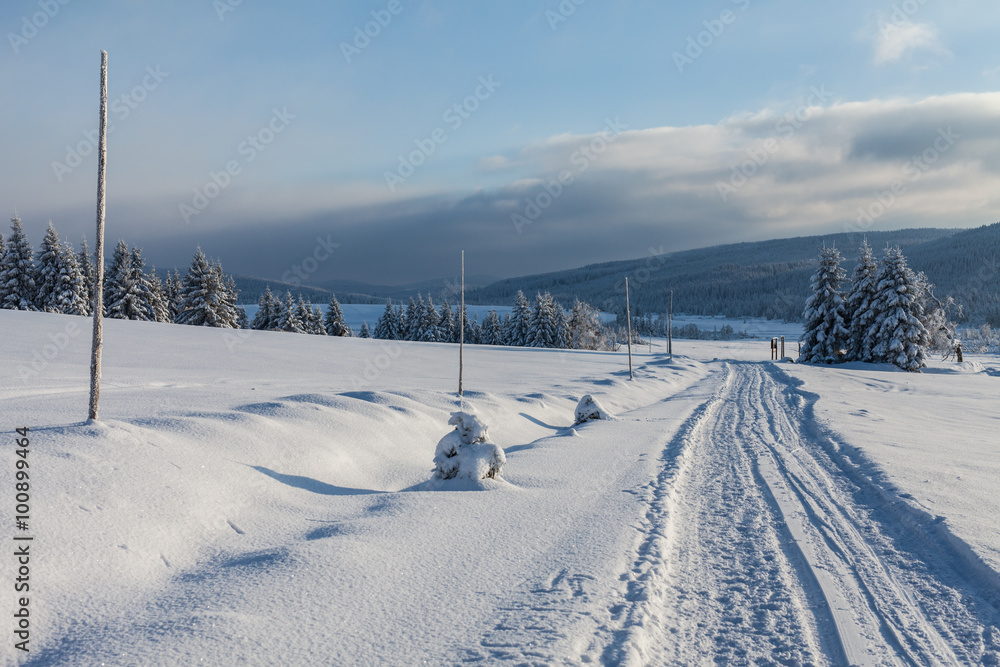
(768, 278)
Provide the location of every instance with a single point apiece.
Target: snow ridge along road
(765, 545)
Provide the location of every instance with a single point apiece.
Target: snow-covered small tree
(520, 322)
(589, 409)
(365, 333)
(333, 321)
(896, 330)
(825, 332)
(388, 325)
(933, 313)
(858, 303)
(17, 271)
(466, 452)
(172, 294)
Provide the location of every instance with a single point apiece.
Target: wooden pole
(98, 301)
(628, 319)
(670, 327)
(461, 333)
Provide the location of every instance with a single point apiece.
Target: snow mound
(466, 452)
(588, 409)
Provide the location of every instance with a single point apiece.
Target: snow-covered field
(263, 498)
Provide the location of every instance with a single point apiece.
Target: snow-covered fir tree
(585, 330)
(333, 321)
(388, 326)
(161, 307)
(207, 298)
(899, 337)
(127, 295)
(287, 319)
(172, 294)
(933, 313)
(85, 260)
(542, 329)
(562, 326)
(365, 333)
(411, 322)
(473, 330)
(492, 329)
(447, 331)
(17, 271)
(825, 335)
(267, 306)
(858, 303)
(48, 272)
(61, 286)
(242, 320)
(520, 322)
(429, 322)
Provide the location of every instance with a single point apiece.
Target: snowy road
(764, 546)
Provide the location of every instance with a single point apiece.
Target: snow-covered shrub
(467, 452)
(589, 409)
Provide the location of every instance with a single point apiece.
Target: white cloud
(898, 39)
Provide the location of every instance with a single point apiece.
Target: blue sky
(673, 125)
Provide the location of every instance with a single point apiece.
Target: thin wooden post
(461, 334)
(628, 319)
(670, 327)
(98, 301)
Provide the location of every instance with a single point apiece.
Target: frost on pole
(102, 160)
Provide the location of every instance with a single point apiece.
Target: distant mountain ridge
(767, 279)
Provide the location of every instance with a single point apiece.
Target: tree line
(60, 280)
(889, 313)
(543, 324)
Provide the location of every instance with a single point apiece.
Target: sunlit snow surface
(263, 498)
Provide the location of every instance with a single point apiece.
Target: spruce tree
(825, 334)
(429, 322)
(334, 319)
(207, 298)
(262, 319)
(48, 272)
(387, 327)
(364, 331)
(158, 296)
(447, 331)
(411, 321)
(898, 335)
(492, 329)
(288, 318)
(172, 295)
(858, 303)
(542, 327)
(17, 271)
(85, 260)
(520, 322)
(562, 326)
(242, 321)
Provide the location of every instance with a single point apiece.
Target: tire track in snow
(761, 548)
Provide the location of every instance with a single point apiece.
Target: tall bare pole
(98, 304)
(670, 327)
(461, 333)
(628, 319)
